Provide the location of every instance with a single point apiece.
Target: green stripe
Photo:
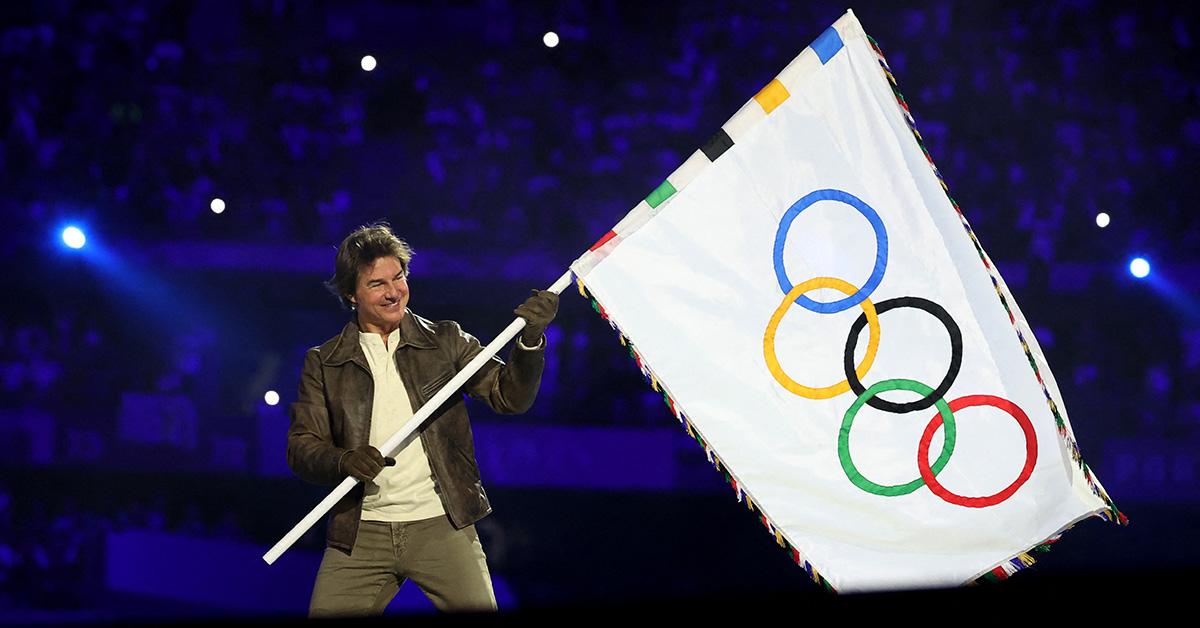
(660, 194)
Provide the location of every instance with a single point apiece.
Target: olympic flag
(933, 452)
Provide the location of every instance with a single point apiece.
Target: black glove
(538, 310)
(364, 463)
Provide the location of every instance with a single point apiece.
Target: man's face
(381, 295)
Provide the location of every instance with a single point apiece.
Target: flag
(817, 312)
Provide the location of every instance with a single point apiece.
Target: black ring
(956, 354)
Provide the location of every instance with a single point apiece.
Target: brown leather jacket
(333, 413)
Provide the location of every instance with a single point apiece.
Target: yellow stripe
(772, 96)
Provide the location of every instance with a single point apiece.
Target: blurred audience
(1039, 116)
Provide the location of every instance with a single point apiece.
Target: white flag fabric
(817, 311)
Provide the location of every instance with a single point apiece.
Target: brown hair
(363, 246)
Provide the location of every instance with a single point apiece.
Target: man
(412, 516)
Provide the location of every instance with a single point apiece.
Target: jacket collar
(346, 347)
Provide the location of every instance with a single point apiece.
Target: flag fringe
(738, 488)
(1021, 561)
(1064, 434)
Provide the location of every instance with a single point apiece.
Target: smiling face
(380, 295)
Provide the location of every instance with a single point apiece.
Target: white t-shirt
(403, 492)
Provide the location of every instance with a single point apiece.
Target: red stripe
(599, 243)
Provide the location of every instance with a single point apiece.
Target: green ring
(844, 438)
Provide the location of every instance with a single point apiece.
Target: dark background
(141, 471)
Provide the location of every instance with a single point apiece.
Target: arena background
(141, 465)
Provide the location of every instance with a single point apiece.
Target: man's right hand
(364, 463)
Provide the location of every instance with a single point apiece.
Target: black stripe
(717, 145)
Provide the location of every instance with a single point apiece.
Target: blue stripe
(827, 45)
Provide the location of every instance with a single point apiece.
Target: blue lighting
(1139, 267)
(74, 237)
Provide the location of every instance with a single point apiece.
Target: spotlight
(272, 398)
(1139, 267)
(1102, 220)
(550, 39)
(368, 63)
(217, 205)
(74, 237)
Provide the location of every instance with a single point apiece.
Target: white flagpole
(392, 443)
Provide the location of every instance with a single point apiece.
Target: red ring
(990, 500)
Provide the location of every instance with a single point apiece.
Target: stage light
(74, 237)
(217, 205)
(368, 63)
(1139, 267)
(1102, 220)
(272, 398)
(550, 39)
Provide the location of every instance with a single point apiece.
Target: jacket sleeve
(311, 453)
(507, 388)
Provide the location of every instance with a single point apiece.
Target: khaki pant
(447, 564)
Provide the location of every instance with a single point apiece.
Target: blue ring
(881, 250)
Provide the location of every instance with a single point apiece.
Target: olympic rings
(929, 474)
(956, 352)
(769, 339)
(854, 375)
(881, 250)
(852, 472)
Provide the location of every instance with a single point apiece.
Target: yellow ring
(769, 339)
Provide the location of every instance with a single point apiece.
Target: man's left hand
(538, 310)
